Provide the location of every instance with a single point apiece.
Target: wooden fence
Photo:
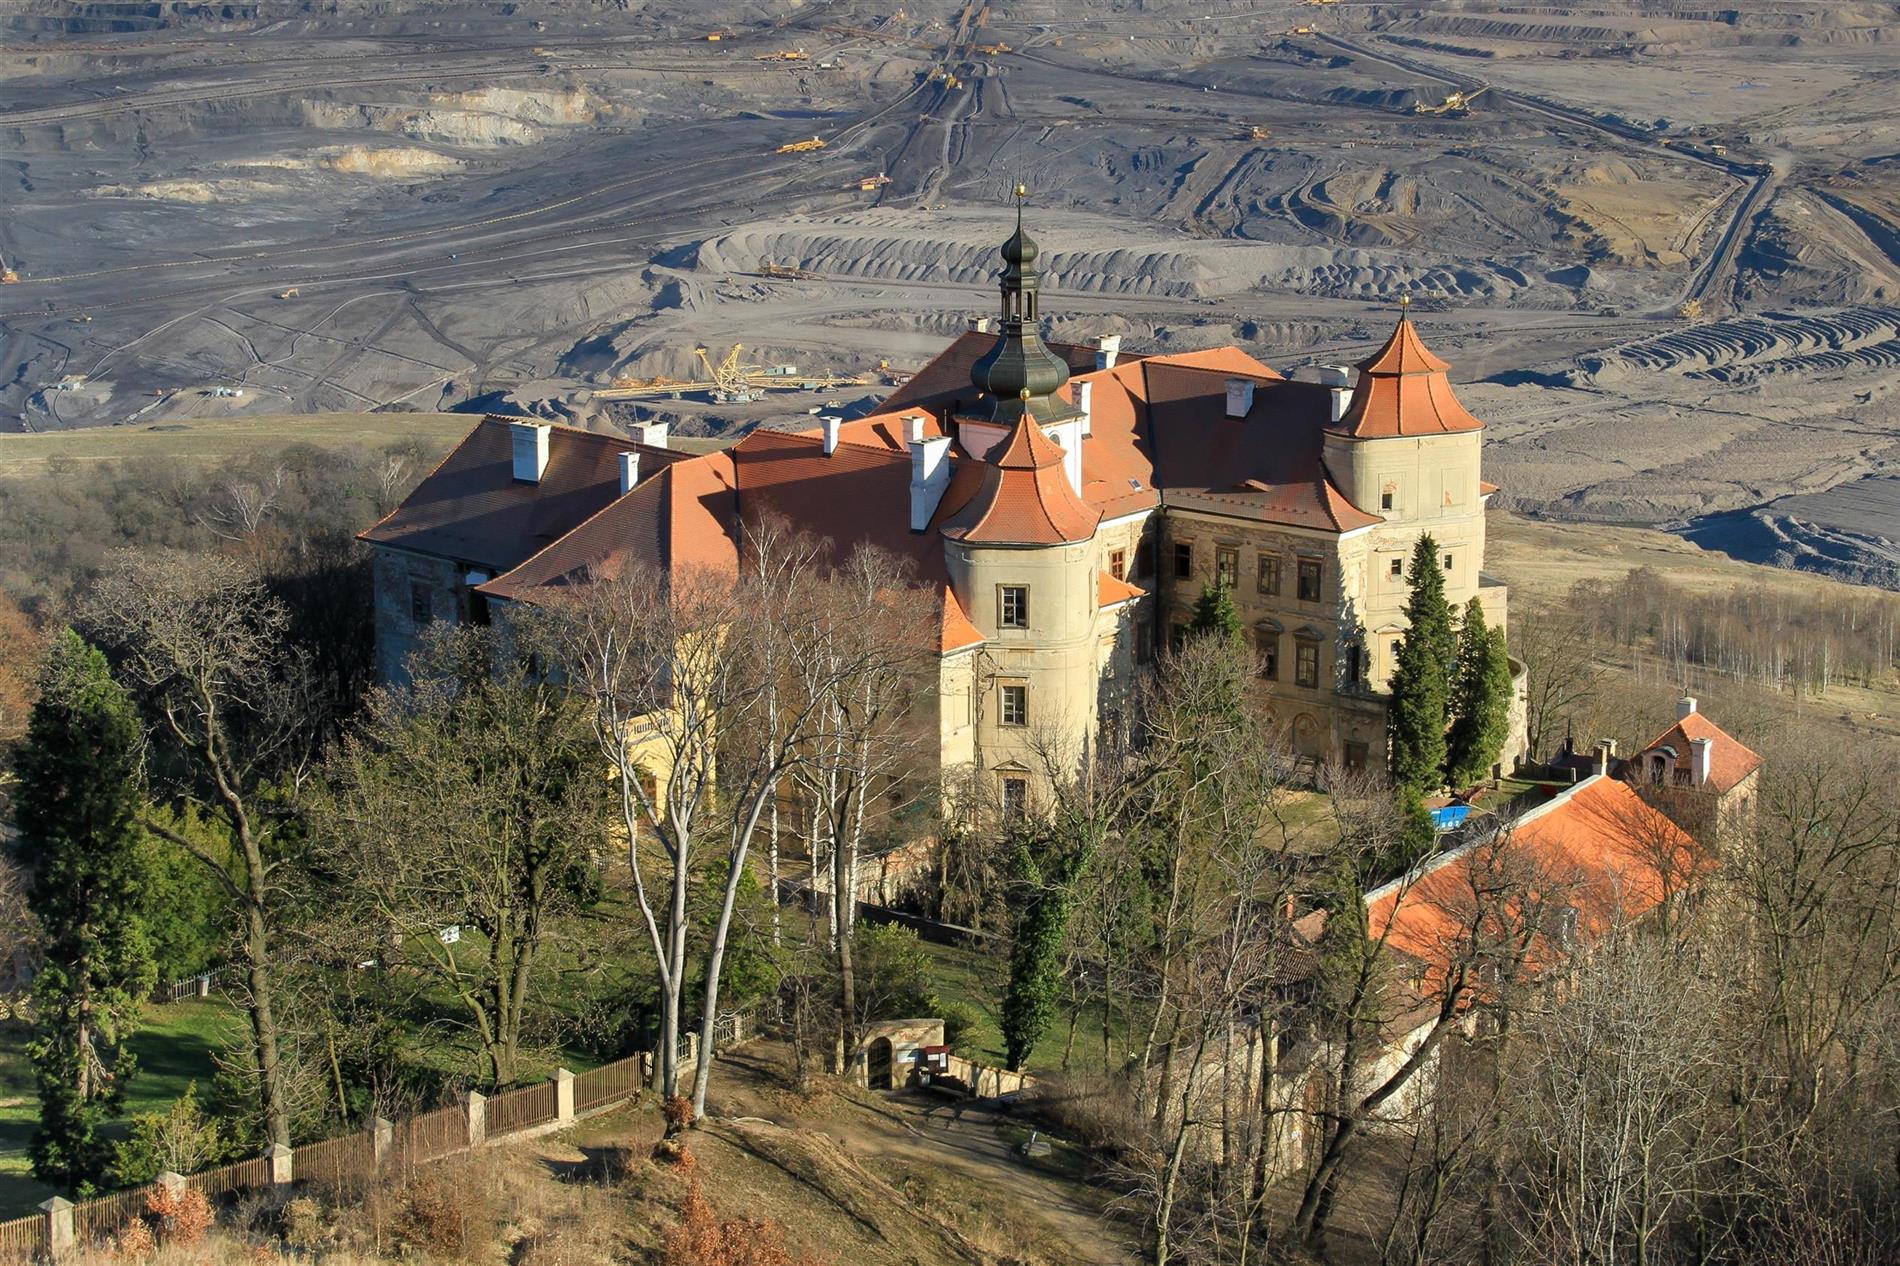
(359, 1157)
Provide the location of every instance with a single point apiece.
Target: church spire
(1019, 377)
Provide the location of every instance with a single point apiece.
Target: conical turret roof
(1024, 497)
(1404, 390)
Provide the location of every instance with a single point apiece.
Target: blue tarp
(1450, 817)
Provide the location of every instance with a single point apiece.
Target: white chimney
(1685, 708)
(1606, 755)
(1084, 400)
(831, 423)
(1239, 397)
(652, 434)
(530, 450)
(1701, 760)
(929, 477)
(913, 428)
(979, 325)
(1107, 348)
(629, 472)
(1342, 400)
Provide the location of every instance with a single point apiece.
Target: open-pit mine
(1659, 241)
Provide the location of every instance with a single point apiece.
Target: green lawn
(174, 1049)
(213, 441)
(967, 976)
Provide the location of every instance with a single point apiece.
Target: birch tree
(203, 647)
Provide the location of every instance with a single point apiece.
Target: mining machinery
(1454, 102)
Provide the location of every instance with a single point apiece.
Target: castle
(1062, 505)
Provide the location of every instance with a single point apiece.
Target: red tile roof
(956, 631)
(1022, 497)
(1597, 848)
(1266, 465)
(1730, 761)
(471, 508)
(1403, 390)
(1109, 591)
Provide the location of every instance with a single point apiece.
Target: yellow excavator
(801, 147)
(1454, 102)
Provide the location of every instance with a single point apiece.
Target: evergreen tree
(1216, 613)
(1421, 685)
(80, 847)
(1480, 699)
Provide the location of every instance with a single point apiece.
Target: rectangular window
(1309, 580)
(1355, 755)
(1012, 606)
(1118, 564)
(1226, 565)
(1144, 643)
(1015, 705)
(1267, 579)
(1396, 568)
(1385, 501)
(1398, 644)
(1448, 562)
(1144, 559)
(1270, 656)
(421, 609)
(1306, 664)
(1015, 797)
(1355, 664)
(1183, 558)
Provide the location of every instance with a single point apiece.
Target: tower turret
(1019, 376)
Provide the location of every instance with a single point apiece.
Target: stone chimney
(929, 477)
(1701, 760)
(1239, 397)
(629, 472)
(1685, 708)
(530, 450)
(1107, 349)
(913, 428)
(1606, 756)
(831, 423)
(1084, 400)
(652, 434)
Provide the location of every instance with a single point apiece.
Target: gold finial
(1022, 190)
(1023, 394)
(1405, 300)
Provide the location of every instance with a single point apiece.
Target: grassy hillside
(215, 440)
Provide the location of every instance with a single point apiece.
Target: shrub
(133, 1243)
(702, 1239)
(181, 1139)
(443, 1218)
(183, 1215)
(959, 1020)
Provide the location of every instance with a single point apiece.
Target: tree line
(440, 864)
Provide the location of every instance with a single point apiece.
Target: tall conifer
(1421, 685)
(78, 844)
(1480, 699)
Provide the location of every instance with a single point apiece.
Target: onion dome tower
(1019, 377)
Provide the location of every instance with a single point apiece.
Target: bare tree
(707, 688)
(1489, 912)
(1561, 673)
(1625, 1110)
(241, 507)
(203, 646)
(466, 801)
